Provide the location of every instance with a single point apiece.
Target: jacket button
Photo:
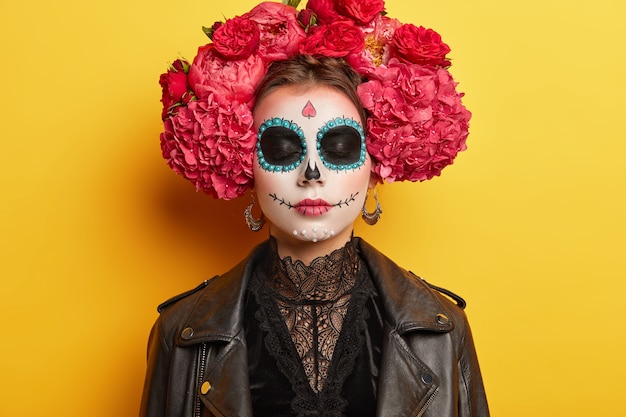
(187, 333)
(206, 387)
(442, 319)
(427, 378)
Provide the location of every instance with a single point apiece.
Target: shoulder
(410, 301)
(182, 296)
(444, 293)
(222, 293)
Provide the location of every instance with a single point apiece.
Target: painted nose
(312, 174)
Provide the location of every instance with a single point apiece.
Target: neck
(306, 251)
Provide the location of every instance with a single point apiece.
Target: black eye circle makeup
(281, 145)
(341, 144)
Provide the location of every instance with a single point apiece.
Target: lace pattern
(313, 317)
(313, 301)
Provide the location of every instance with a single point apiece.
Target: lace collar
(326, 279)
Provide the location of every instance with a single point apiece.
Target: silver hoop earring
(254, 224)
(372, 218)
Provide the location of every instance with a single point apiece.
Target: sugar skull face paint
(311, 173)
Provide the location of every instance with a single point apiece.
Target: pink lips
(309, 207)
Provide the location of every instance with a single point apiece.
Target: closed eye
(281, 146)
(341, 145)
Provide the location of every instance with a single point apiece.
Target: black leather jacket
(197, 361)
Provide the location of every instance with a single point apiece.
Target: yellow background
(528, 224)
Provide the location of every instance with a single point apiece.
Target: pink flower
(417, 122)
(378, 35)
(211, 144)
(335, 40)
(237, 38)
(174, 85)
(234, 80)
(361, 11)
(280, 30)
(418, 45)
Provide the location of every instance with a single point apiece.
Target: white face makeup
(311, 169)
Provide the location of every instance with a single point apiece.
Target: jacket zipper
(430, 400)
(201, 365)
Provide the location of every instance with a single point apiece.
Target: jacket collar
(217, 314)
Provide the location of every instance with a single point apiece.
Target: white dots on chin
(315, 235)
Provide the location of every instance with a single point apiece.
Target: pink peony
(280, 30)
(377, 35)
(235, 80)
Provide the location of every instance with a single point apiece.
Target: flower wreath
(416, 122)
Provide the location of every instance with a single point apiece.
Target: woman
(314, 322)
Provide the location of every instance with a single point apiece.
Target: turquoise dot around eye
(339, 121)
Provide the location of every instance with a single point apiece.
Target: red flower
(361, 11)
(418, 45)
(335, 40)
(237, 38)
(281, 33)
(235, 80)
(307, 18)
(325, 10)
(174, 85)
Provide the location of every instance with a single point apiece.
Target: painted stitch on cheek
(309, 110)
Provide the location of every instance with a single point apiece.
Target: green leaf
(292, 3)
(208, 31)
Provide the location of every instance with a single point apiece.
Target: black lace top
(314, 335)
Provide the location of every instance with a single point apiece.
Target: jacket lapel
(406, 385)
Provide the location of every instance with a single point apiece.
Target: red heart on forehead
(308, 110)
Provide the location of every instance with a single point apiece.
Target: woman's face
(311, 168)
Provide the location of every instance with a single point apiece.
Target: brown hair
(307, 71)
